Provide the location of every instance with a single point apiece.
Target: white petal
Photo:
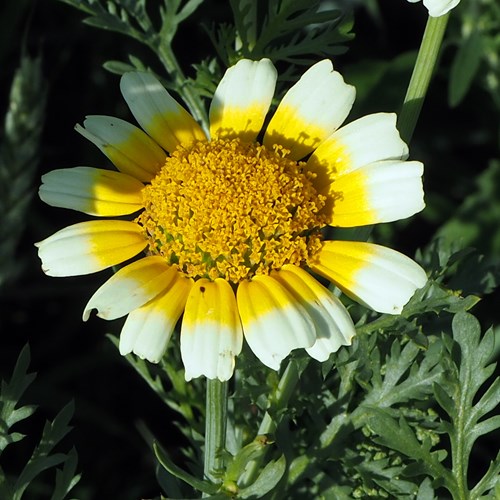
(438, 8)
(310, 111)
(131, 287)
(88, 247)
(93, 191)
(274, 322)
(384, 191)
(131, 150)
(242, 99)
(375, 276)
(211, 333)
(363, 141)
(147, 330)
(158, 113)
(334, 326)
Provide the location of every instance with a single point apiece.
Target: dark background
(74, 360)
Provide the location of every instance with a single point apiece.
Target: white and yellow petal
(242, 99)
(373, 275)
(366, 140)
(158, 113)
(274, 323)
(131, 150)
(131, 287)
(148, 329)
(380, 192)
(88, 247)
(310, 111)
(438, 8)
(93, 191)
(211, 333)
(334, 326)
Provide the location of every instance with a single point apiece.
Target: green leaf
(197, 484)
(66, 479)
(269, 477)
(10, 393)
(398, 435)
(297, 31)
(490, 481)
(465, 67)
(426, 491)
(251, 451)
(19, 158)
(468, 359)
(395, 387)
(41, 459)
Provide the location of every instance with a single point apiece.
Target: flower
(438, 8)
(231, 228)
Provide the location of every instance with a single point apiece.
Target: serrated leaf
(10, 394)
(464, 67)
(398, 435)
(468, 357)
(41, 459)
(444, 399)
(189, 7)
(269, 477)
(490, 481)
(33, 469)
(66, 479)
(394, 387)
(425, 490)
(486, 426)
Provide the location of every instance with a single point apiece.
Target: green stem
(215, 428)
(285, 389)
(422, 73)
(191, 99)
(459, 452)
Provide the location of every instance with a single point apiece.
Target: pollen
(232, 209)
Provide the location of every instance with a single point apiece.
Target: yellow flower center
(233, 210)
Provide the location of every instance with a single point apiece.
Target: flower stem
(215, 428)
(191, 99)
(422, 73)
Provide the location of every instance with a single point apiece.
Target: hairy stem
(215, 428)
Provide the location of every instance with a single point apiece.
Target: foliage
(19, 150)
(368, 422)
(478, 46)
(404, 412)
(13, 484)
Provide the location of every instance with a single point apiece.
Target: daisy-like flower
(438, 8)
(229, 227)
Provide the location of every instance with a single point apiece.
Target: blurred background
(457, 138)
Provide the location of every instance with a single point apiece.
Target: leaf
(426, 491)
(465, 67)
(197, 484)
(269, 477)
(10, 394)
(297, 31)
(251, 451)
(394, 387)
(399, 436)
(41, 459)
(66, 479)
(468, 357)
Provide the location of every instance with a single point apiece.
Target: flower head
(438, 8)
(228, 227)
